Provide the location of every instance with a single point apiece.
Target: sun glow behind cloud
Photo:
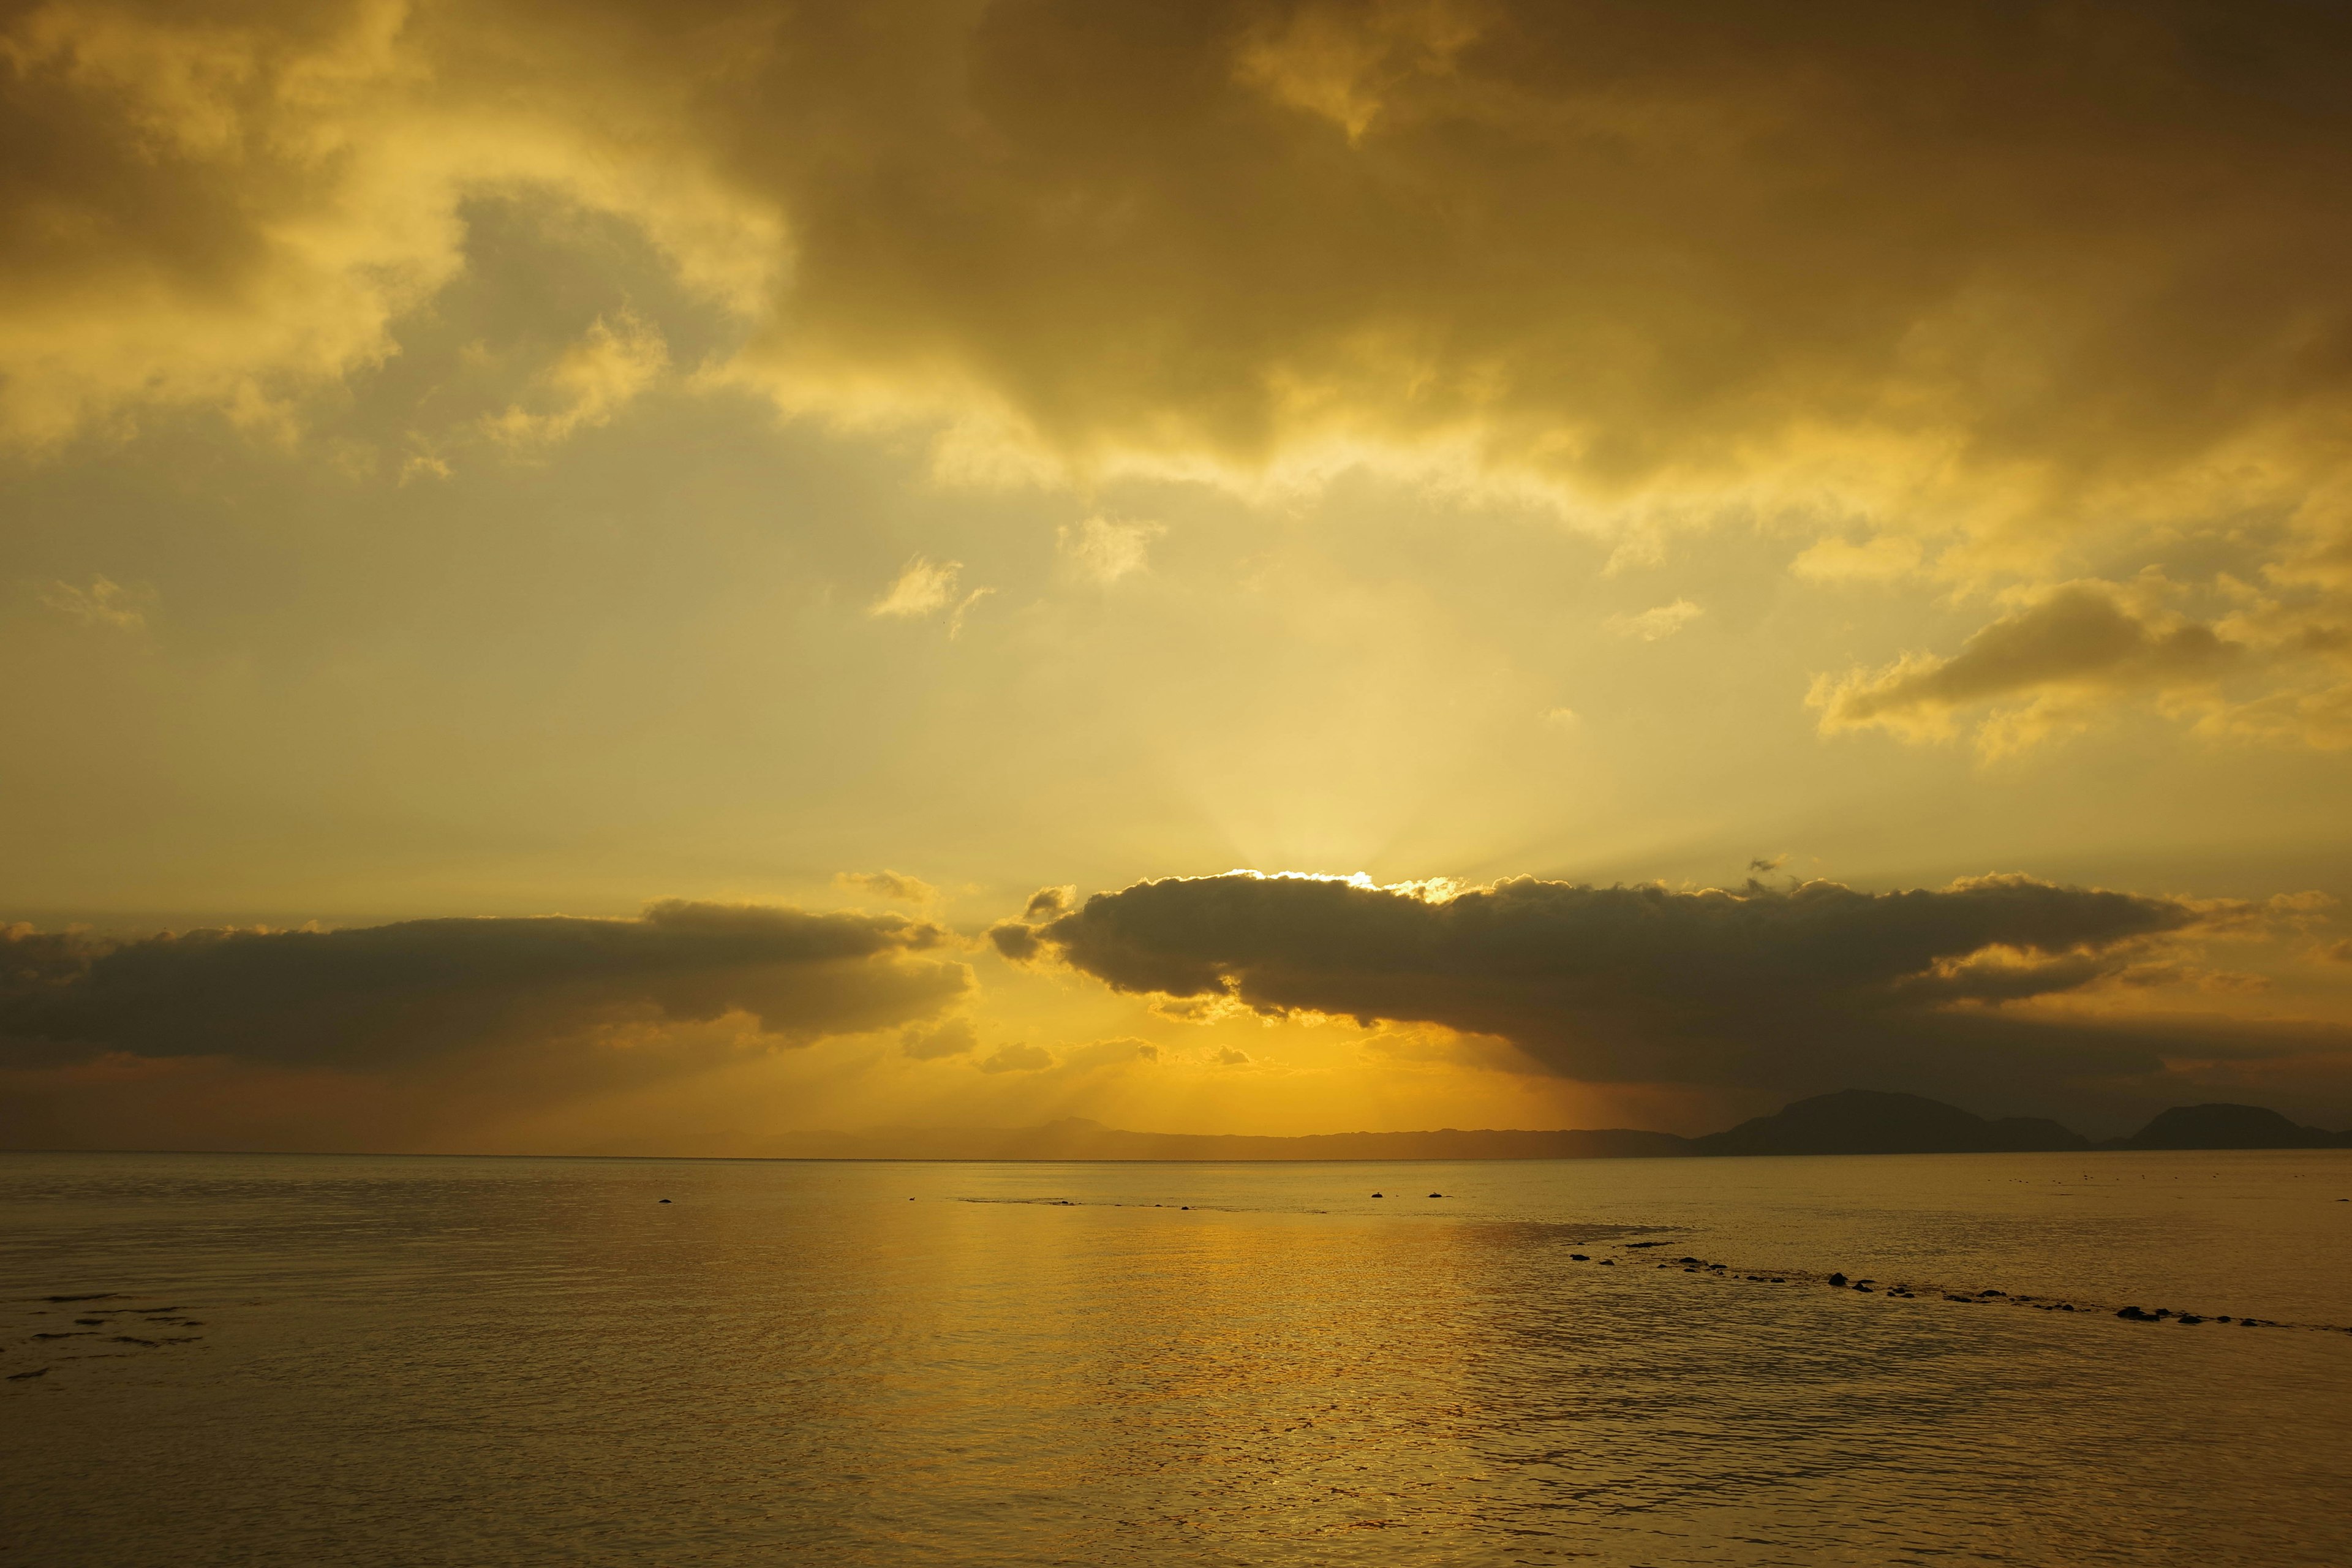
(499, 459)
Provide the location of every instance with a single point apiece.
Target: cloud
(1102, 549)
(229, 206)
(105, 603)
(1949, 286)
(1120, 1052)
(925, 588)
(1017, 1058)
(375, 997)
(1231, 1057)
(1814, 987)
(1881, 559)
(1907, 281)
(888, 885)
(1962, 259)
(1652, 625)
(950, 1037)
(2080, 650)
(1340, 62)
(1015, 939)
(593, 380)
(1048, 903)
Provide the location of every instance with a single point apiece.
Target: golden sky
(607, 576)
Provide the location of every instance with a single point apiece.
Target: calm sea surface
(411, 1361)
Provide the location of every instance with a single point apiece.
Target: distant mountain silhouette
(1867, 1121)
(2230, 1127)
(1852, 1122)
(1075, 1138)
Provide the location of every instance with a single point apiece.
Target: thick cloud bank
(380, 997)
(1792, 990)
(1984, 283)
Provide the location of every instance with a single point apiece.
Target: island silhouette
(1850, 1121)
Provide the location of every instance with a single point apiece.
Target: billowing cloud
(1798, 989)
(1049, 903)
(378, 997)
(1980, 255)
(229, 206)
(1016, 938)
(2076, 650)
(1998, 292)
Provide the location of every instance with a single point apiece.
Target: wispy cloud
(1650, 625)
(1103, 549)
(925, 588)
(105, 603)
(595, 379)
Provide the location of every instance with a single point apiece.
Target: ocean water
(318, 1360)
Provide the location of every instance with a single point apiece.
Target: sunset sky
(614, 578)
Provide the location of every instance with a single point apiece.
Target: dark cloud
(383, 995)
(1799, 989)
(1990, 275)
(1614, 243)
(1015, 940)
(2085, 640)
(1049, 903)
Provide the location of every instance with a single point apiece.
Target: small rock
(1577, 1257)
(21, 1376)
(1838, 1279)
(1437, 1194)
(665, 1200)
(1607, 1263)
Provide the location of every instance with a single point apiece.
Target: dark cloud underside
(1760, 987)
(383, 994)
